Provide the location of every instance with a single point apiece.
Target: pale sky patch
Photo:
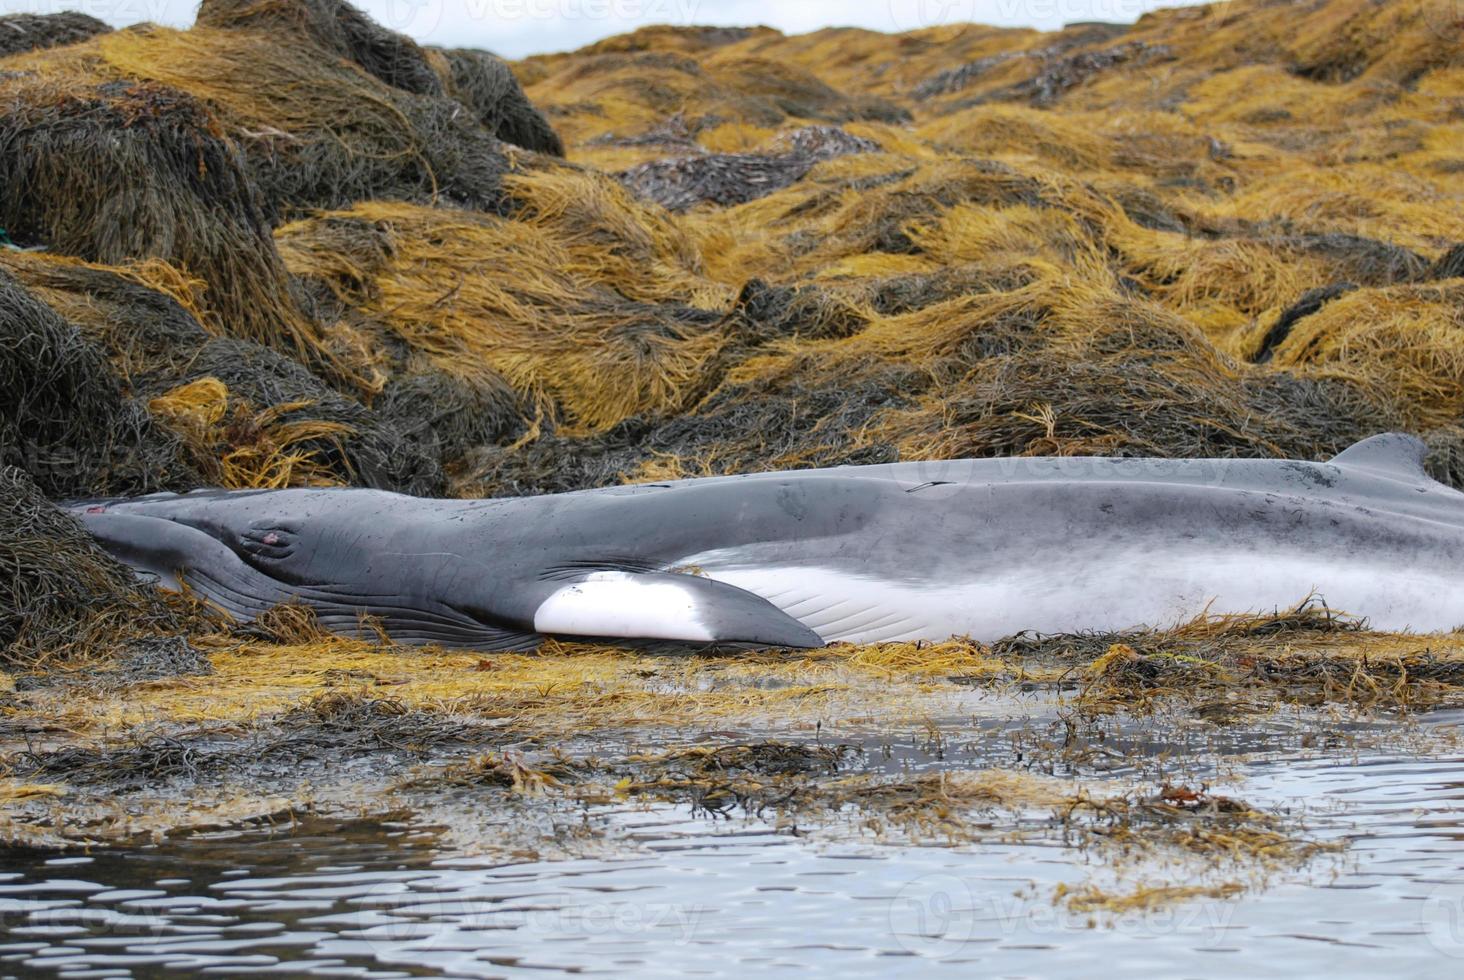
(515, 28)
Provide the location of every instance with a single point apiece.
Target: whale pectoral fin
(668, 606)
(442, 626)
(1392, 454)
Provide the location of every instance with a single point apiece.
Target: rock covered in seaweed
(64, 416)
(334, 26)
(483, 83)
(120, 171)
(64, 595)
(681, 182)
(27, 32)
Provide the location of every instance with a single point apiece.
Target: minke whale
(905, 551)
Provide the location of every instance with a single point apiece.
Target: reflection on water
(693, 896)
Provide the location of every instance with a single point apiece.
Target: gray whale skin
(983, 548)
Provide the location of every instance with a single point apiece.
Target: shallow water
(689, 895)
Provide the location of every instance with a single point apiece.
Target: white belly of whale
(1116, 593)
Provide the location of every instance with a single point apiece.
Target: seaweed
(486, 85)
(1306, 304)
(127, 312)
(724, 179)
(338, 28)
(66, 600)
(339, 435)
(332, 724)
(1450, 265)
(315, 131)
(453, 414)
(27, 32)
(67, 420)
(74, 158)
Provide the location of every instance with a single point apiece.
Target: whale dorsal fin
(1392, 454)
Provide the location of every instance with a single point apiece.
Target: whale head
(428, 572)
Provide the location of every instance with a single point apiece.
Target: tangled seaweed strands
(452, 413)
(268, 422)
(1118, 395)
(634, 82)
(1399, 339)
(561, 338)
(1058, 46)
(140, 762)
(508, 771)
(28, 32)
(718, 780)
(485, 85)
(336, 27)
(135, 314)
(341, 721)
(296, 413)
(75, 154)
(327, 729)
(1308, 303)
(66, 419)
(155, 658)
(316, 131)
(797, 92)
(587, 690)
(1057, 76)
(815, 414)
(675, 133)
(66, 600)
(1005, 372)
(808, 784)
(129, 661)
(1309, 654)
(724, 179)
(240, 448)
